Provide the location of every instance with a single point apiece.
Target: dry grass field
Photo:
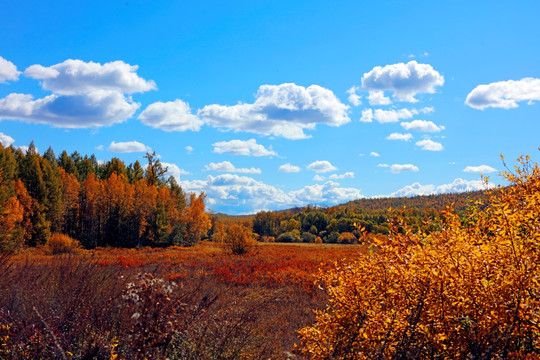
(198, 302)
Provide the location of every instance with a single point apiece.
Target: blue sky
(273, 104)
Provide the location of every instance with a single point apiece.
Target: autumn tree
(196, 220)
(155, 170)
(11, 214)
(467, 291)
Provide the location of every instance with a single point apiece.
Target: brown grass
(187, 303)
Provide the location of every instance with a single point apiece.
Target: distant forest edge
(111, 204)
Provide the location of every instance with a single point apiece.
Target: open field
(195, 303)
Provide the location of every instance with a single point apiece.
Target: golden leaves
(469, 289)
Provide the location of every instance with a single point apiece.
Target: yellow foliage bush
(239, 239)
(468, 291)
(62, 244)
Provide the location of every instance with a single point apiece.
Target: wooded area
(107, 204)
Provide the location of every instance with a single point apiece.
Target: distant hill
(422, 202)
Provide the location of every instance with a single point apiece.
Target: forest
(107, 204)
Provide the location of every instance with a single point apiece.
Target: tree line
(343, 223)
(99, 204)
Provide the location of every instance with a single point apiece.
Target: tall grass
(174, 303)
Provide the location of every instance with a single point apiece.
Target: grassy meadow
(196, 302)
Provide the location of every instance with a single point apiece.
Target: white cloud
(284, 110)
(398, 136)
(354, 98)
(391, 116)
(414, 190)
(378, 98)
(8, 71)
(174, 171)
(73, 77)
(367, 116)
(504, 94)
(427, 110)
(321, 166)
(99, 147)
(481, 169)
(6, 140)
(318, 177)
(226, 166)
(329, 192)
(170, 116)
(383, 165)
(374, 154)
(289, 168)
(429, 145)
(347, 175)
(399, 168)
(242, 147)
(94, 109)
(128, 147)
(422, 125)
(458, 185)
(405, 80)
(84, 95)
(189, 149)
(231, 191)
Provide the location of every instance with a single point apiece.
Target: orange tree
(468, 291)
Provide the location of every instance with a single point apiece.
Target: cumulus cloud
(189, 149)
(170, 116)
(405, 80)
(230, 192)
(242, 147)
(284, 110)
(321, 166)
(367, 116)
(8, 71)
(378, 98)
(399, 168)
(174, 171)
(289, 168)
(347, 175)
(398, 136)
(354, 98)
(329, 192)
(458, 185)
(391, 116)
(83, 95)
(429, 145)
(481, 169)
(226, 166)
(318, 177)
(128, 147)
(422, 125)
(6, 140)
(374, 154)
(94, 109)
(504, 94)
(73, 77)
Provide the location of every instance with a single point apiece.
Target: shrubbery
(62, 244)
(239, 239)
(468, 291)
